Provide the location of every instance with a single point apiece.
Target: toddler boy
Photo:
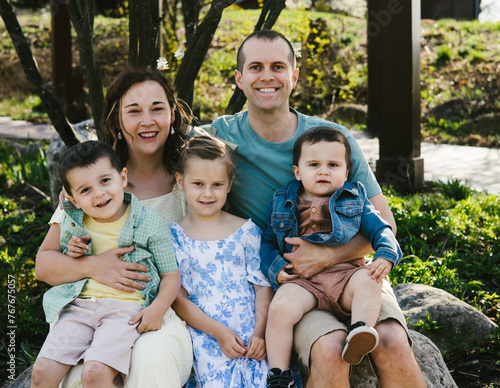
(97, 323)
(322, 207)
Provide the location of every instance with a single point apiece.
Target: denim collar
(293, 187)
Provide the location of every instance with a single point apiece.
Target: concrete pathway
(478, 166)
(22, 129)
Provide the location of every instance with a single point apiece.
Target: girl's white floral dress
(219, 277)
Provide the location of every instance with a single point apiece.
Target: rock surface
(449, 322)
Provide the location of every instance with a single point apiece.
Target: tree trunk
(49, 100)
(268, 16)
(191, 13)
(149, 28)
(133, 36)
(144, 30)
(197, 49)
(82, 17)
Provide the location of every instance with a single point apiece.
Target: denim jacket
(351, 213)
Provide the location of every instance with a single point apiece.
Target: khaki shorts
(93, 329)
(317, 323)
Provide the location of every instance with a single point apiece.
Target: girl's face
(145, 118)
(205, 184)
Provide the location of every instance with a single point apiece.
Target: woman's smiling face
(145, 118)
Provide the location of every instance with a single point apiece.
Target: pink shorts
(328, 285)
(94, 330)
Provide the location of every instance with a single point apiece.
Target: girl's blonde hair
(205, 147)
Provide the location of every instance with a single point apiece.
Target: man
(264, 136)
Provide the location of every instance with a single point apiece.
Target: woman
(146, 126)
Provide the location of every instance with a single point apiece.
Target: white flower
(297, 49)
(161, 64)
(179, 54)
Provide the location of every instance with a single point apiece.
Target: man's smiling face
(267, 76)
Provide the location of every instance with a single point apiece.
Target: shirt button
(73, 224)
(282, 224)
(314, 210)
(313, 226)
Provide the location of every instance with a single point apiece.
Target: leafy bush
(444, 54)
(24, 213)
(451, 241)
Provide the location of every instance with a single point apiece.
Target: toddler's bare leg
(47, 373)
(288, 306)
(362, 297)
(97, 375)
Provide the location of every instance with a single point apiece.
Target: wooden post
(394, 90)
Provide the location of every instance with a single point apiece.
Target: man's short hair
(322, 133)
(85, 154)
(264, 35)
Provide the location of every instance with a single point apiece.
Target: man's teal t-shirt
(263, 167)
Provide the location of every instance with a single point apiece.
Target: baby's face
(98, 190)
(322, 168)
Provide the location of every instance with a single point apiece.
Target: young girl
(224, 297)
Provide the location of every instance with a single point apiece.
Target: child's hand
(284, 276)
(151, 320)
(256, 348)
(77, 246)
(230, 343)
(379, 268)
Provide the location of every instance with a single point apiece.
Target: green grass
(29, 109)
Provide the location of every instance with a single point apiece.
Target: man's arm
(310, 259)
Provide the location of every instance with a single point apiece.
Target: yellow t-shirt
(105, 237)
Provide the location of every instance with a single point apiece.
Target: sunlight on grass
(29, 109)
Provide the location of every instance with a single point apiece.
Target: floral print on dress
(219, 276)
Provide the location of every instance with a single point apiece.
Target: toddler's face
(98, 190)
(322, 168)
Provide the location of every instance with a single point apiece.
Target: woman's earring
(120, 136)
(172, 129)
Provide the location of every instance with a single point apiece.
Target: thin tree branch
(83, 22)
(197, 50)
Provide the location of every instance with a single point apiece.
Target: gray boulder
(449, 322)
(57, 148)
(23, 380)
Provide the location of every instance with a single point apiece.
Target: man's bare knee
(326, 364)
(327, 350)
